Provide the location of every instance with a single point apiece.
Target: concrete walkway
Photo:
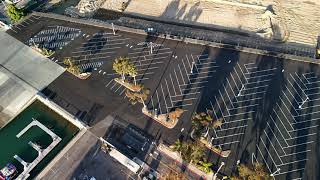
(233, 15)
(218, 13)
(173, 155)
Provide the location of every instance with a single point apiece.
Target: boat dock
(42, 153)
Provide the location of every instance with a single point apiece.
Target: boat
(8, 172)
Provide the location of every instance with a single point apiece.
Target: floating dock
(42, 153)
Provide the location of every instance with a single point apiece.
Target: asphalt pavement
(269, 106)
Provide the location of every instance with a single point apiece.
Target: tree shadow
(174, 12)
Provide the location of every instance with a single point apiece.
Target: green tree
(217, 123)
(123, 67)
(177, 146)
(71, 66)
(14, 13)
(191, 152)
(197, 152)
(172, 175)
(140, 97)
(205, 166)
(200, 121)
(132, 71)
(256, 172)
(175, 115)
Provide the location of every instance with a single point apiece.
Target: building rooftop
(23, 72)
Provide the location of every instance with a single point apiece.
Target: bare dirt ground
(283, 20)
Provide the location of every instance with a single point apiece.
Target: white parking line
(164, 97)
(275, 150)
(265, 162)
(266, 148)
(159, 105)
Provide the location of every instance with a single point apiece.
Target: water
(11, 145)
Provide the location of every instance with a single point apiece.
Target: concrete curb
(98, 23)
(61, 154)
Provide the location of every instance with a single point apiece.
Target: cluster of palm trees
(202, 123)
(123, 67)
(255, 172)
(193, 152)
(44, 51)
(171, 175)
(140, 97)
(72, 67)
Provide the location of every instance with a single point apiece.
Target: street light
(114, 33)
(215, 175)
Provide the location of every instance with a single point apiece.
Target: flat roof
(23, 72)
(27, 64)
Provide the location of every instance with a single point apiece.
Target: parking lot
(269, 106)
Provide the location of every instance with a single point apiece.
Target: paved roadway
(269, 106)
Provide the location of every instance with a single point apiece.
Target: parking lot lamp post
(275, 172)
(304, 101)
(191, 71)
(151, 46)
(242, 87)
(114, 33)
(215, 175)
(156, 112)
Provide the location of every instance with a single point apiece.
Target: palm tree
(121, 65)
(217, 123)
(71, 66)
(135, 97)
(132, 71)
(200, 121)
(177, 146)
(174, 176)
(205, 166)
(197, 152)
(174, 115)
(257, 171)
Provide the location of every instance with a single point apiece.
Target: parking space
(270, 107)
(288, 140)
(54, 37)
(147, 61)
(26, 23)
(181, 87)
(237, 100)
(97, 49)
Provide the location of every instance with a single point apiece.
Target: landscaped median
(220, 152)
(138, 93)
(190, 166)
(130, 86)
(74, 69)
(168, 120)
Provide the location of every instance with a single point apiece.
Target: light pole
(272, 175)
(215, 175)
(151, 48)
(114, 33)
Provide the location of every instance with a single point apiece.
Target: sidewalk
(189, 167)
(289, 21)
(216, 13)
